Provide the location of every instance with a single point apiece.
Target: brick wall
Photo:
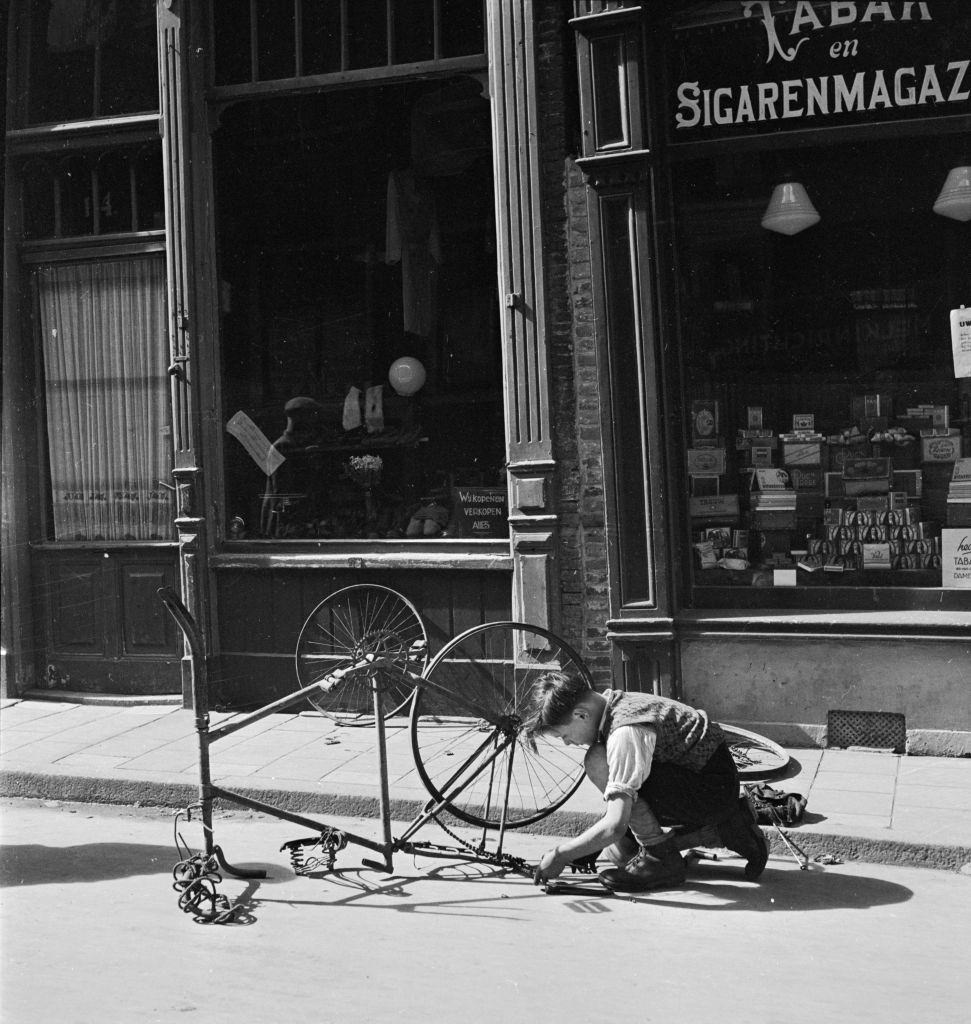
(571, 333)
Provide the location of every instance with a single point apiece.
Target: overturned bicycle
(361, 657)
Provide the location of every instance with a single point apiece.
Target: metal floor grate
(884, 730)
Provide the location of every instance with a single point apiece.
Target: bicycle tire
(349, 624)
(473, 706)
(755, 756)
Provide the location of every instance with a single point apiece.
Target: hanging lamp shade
(790, 209)
(955, 198)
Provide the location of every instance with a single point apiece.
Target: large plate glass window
(824, 424)
(360, 318)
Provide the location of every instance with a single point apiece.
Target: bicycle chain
(505, 860)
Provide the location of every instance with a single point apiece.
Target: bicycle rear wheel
(466, 726)
(755, 756)
(342, 630)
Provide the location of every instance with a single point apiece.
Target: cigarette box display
(876, 556)
(806, 479)
(706, 461)
(909, 481)
(720, 508)
(866, 476)
(802, 453)
(941, 448)
(704, 419)
(760, 455)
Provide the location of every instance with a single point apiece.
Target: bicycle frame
(330, 838)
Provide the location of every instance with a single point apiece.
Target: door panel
(76, 606)
(105, 629)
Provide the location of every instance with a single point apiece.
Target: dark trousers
(681, 796)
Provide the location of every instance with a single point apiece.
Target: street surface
(92, 934)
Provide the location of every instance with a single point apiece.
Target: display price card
(956, 559)
(961, 341)
(256, 443)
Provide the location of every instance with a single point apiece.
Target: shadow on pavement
(36, 864)
(784, 891)
(718, 888)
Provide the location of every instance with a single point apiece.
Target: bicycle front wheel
(466, 726)
(344, 629)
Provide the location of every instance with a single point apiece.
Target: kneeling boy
(657, 762)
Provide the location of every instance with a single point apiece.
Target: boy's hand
(550, 866)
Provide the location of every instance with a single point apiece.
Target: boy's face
(579, 731)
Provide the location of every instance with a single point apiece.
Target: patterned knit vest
(684, 735)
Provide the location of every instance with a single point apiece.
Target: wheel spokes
(346, 628)
(484, 679)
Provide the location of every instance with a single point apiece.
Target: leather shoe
(652, 867)
(741, 834)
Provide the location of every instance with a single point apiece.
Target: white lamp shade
(790, 209)
(955, 198)
(406, 375)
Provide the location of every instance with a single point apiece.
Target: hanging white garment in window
(412, 239)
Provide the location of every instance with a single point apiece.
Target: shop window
(39, 198)
(609, 91)
(587, 8)
(93, 193)
(274, 31)
(91, 58)
(414, 33)
(112, 194)
(824, 418)
(609, 54)
(261, 40)
(461, 29)
(360, 319)
(367, 34)
(101, 334)
(149, 208)
(74, 196)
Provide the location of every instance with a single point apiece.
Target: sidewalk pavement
(869, 806)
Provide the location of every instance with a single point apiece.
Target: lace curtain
(106, 389)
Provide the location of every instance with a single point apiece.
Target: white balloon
(406, 375)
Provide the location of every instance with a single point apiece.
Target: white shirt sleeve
(630, 751)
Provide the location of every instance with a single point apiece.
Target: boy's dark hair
(554, 696)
